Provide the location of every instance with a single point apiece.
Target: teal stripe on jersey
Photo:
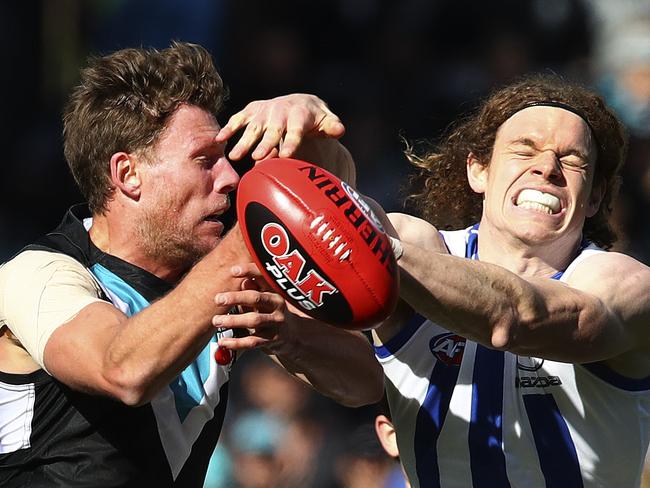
(121, 289)
(188, 388)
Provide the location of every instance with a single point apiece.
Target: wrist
(288, 342)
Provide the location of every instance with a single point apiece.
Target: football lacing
(325, 232)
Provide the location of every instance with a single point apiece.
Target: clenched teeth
(537, 200)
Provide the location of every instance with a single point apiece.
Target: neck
(525, 258)
(116, 237)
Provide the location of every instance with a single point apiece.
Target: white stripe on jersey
(16, 414)
(454, 435)
(558, 420)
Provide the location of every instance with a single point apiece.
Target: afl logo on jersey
(448, 348)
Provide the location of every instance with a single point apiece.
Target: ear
(386, 434)
(595, 199)
(477, 173)
(125, 174)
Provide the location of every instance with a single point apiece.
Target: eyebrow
(206, 147)
(525, 141)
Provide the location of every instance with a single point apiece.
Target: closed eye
(524, 154)
(574, 164)
(205, 161)
(209, 154)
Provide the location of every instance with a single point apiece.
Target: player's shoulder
(407, 220)
(609, 267)
(411, 228)
(35, 259)
(33, 266)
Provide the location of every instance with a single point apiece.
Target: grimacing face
(537, 186)
(185, 189)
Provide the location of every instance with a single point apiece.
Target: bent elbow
(126, 388)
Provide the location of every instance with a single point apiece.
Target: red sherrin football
(317, 243)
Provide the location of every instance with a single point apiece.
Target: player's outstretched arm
(336, 362)
(599, 314)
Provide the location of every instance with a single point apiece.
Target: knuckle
(237, 118)
(252, 106)
(253, 127)
(274, 130)
(301, 110)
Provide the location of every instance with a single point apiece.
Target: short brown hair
(124, 101)
(439, 190)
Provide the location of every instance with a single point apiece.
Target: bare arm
(102, 351)
(599, 315)
(338, 363)
(411, 230)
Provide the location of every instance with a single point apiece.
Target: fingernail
(220, 299)
(236, 270)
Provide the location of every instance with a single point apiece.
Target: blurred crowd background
(390, 69)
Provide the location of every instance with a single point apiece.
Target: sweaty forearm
(338, 363)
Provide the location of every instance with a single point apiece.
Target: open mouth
(538, 201)
(213, 218)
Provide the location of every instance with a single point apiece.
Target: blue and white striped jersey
(470, 416)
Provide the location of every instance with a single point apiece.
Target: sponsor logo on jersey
(530, 365)
(448, 348)
(537, 381)
(306, 286)
(357, 211)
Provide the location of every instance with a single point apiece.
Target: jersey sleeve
(40, 291)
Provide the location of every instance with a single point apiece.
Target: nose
(226, 178)
(548, 166)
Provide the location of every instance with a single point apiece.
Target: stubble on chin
(166, 241)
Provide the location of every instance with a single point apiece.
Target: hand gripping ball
(318, 243)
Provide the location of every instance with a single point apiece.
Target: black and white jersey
(51, 435)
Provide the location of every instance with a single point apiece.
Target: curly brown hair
(439, 189)
(124, 101)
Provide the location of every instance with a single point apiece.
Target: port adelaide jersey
(66, 438)
(470, 416)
